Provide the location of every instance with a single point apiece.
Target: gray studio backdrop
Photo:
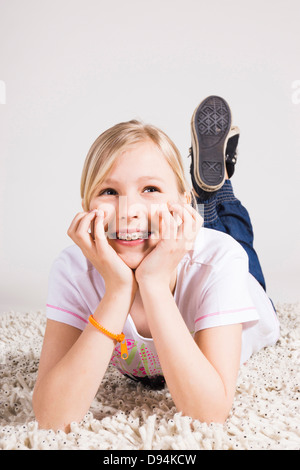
(71, 68)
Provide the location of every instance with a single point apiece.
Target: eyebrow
(142, 178)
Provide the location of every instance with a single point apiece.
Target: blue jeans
(225, 213)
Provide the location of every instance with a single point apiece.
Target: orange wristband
(120, 338)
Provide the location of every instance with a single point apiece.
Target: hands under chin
(175, 240)
(158, 267)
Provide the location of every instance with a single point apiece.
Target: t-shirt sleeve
(64, 301)
(227, 298)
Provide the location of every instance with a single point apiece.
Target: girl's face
(139, 182)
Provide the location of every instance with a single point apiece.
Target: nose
(130, 209)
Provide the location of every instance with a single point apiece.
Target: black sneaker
(231, 150)
(210, 125)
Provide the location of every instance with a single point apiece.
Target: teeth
(132, 236)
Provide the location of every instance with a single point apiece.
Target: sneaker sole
(211, 123)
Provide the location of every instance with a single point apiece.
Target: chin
(134, 256)
(132, 261)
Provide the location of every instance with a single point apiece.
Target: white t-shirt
(213, 288)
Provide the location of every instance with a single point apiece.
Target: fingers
(99, 230)
(177, 221)
(75, 222)
(168, 225)
(191, 220)
(79, 229)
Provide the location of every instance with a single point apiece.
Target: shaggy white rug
(126, 416)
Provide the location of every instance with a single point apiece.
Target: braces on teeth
(132, 236)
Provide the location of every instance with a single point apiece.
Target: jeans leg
(208, 210)
(224, 212)
(236, 220)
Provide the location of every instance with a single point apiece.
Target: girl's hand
(176, 239)
(98, 251)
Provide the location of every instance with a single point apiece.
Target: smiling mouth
(124, 236)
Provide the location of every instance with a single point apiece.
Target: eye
(151, 189)
(108, 192)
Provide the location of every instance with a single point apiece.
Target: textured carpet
(126, 416)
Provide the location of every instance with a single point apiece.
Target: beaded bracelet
(120, 338)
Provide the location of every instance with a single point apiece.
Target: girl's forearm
(66, 392)
(195, 386)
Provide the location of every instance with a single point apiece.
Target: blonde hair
(111, 143)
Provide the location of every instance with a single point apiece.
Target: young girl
(146, 286)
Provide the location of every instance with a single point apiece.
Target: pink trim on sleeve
(67, 311)
(223, 312)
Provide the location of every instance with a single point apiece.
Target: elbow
(47, 422)
(44, 416)
(210, 412)
(209, 418)
(215, 416)
(35, 404)
(40, 412)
